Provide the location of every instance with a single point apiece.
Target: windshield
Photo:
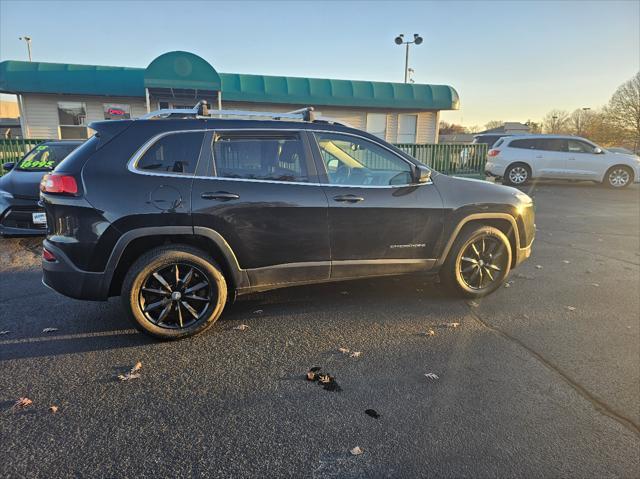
(45, 157)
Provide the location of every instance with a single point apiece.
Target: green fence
(14, 149)
(454, 159)
(450, 159)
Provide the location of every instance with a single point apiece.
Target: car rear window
(45, 157)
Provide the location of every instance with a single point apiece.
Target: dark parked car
(178, 215)
(20, 214)
(488, 139)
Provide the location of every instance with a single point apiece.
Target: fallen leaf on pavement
(571, 308)
(356, 451)
(355, 354)
(473, 304)
(132, 374)
(508, 284)
(566, 261)
(344, 350)
(241, 327)
(431, 376)
(53, 409)
(595, 284)
(22, 403)
(451, 325)
(429, 332)
(372, 412)
(538, 266)
(49, 330)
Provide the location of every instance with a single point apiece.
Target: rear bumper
(16, 218)
(63, 277)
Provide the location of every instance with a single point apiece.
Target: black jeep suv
(177, 215)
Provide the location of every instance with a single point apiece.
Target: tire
(458, 271)
(517, 174)
(618, 176)
(195, 296)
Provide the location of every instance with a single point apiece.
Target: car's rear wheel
(478, 263)
(517, 174)
(618, 177)
(175, 291)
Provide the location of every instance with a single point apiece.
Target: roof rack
(201, 110)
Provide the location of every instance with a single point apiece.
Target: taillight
(493, 152)
(59, 184)
(48, 255)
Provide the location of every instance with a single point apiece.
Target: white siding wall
(41, 111)
(41, 114)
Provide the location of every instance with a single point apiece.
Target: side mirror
(421, 174)
(597, 150)
(9, 165)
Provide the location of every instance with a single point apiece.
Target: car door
(582, 162)
(380, 220)
(259, 190)
(549, 157)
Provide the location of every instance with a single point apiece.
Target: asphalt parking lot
(541, 379)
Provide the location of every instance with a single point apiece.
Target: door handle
(573, 159)
(348, 198)
(219, 195)
(539, 156)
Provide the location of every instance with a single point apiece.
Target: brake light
(59, 184)
(48, 255)
(493, 152)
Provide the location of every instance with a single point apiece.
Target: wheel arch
(520, 162)
(501, 221)
(618, 165)
(135, 243)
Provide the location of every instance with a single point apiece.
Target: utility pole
(28, 40)
(417, 39)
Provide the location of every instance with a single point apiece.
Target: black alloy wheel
(478, 262)
(174, 291)
(176, 296)
(483, 263)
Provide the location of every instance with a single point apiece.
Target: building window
(407, 128)
(72, 117)
(377, 124)
(116, 111)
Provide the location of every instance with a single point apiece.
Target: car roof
(544, 136)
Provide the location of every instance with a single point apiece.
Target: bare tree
(579, 122)
(451, 128)
(623, 110)
(555, 122)
(493, 124)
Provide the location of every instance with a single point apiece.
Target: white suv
(517, 159)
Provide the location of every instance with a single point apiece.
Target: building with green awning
(59, 100)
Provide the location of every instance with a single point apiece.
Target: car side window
(274, 158)
(577, 146)
(525, 144)
(351, 160)
(173, 153)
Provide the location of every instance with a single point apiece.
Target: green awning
(183, 70)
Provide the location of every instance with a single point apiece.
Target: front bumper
(523, 254)
(63, 277)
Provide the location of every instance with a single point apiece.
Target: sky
(510, 60)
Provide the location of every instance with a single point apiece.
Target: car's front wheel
(478, 262)
(174, 291)
(618, 177)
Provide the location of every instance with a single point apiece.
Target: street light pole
(417, 39)
(28, 40)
